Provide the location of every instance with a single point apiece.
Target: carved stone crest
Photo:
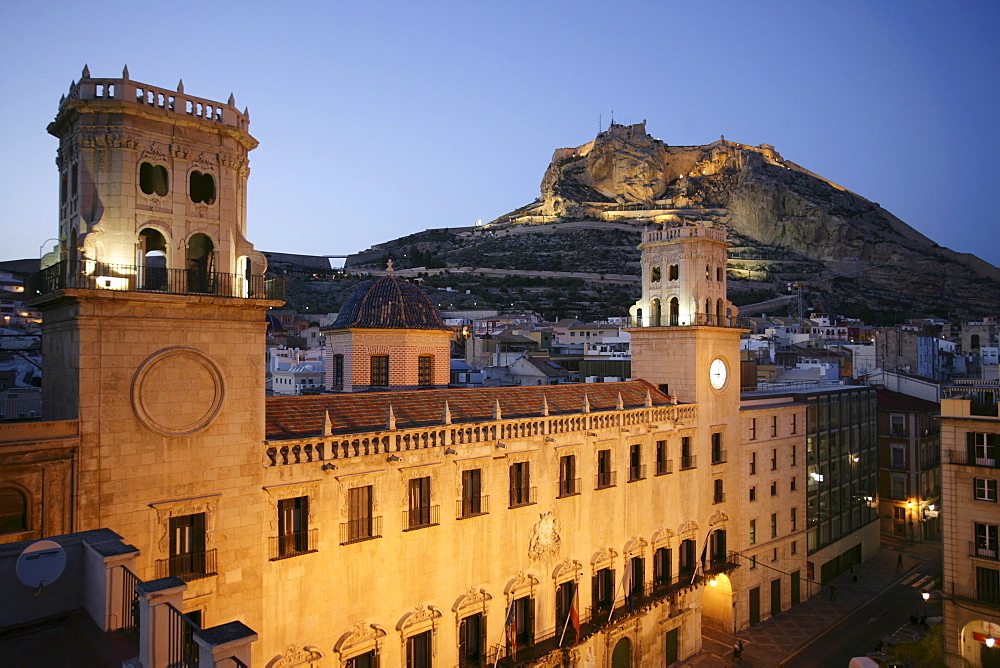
(298, 656)
(718, 517)
(662, 537)
(545, 540)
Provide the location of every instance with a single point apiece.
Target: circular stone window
(177, 391)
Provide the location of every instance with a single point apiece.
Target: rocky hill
(787, 226)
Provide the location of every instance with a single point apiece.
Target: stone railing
(345, 446)
(152, 97)
(681, 232)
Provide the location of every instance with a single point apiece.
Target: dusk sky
(381, 119)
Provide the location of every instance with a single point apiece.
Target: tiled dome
(388, 303)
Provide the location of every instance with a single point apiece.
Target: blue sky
(380, 119)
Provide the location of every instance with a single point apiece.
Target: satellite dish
(40, 564)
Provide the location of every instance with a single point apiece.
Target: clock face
(718, 373)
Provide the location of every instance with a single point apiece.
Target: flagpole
(613, 597)
(496, 658)
(569, 613)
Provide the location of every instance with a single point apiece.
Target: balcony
(718, 456)
(363, 528)
(664, 466)
(421, 517)
(981, 551)
(189, 566)
(718, 497)
(636, 473)
(90, 275)
(473, 506)
(962, 457)
(983, 595)
(523, 496)
(689, 462)
(606, 479)
(696, 320)
(569, 487)
(293, 544)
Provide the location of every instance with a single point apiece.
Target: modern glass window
(379, 371)
(984, 489)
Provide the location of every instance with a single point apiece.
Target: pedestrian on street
(899, 562)
(738, 651)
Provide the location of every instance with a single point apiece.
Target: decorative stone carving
(718, 517)
(363, 637)
(662, 537)
(203, 162)
(310, 488)
(603, 557)
(545, 540)
(177, 391)
(168, 509)
(421, 619)
(635, 547)
(154, 153)
(475, 597)
(519, 583)
(687, 527)
(373, 478)
(567, 569)
(295, 655)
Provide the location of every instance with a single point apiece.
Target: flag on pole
(627, 584)
(512, 632)
(574, 614)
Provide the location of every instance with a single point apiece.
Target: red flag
(574, 614)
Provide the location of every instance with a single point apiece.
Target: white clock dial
(718, 373)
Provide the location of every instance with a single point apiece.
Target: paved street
(821, 632)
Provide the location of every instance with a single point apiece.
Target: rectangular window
(898, 456)
(564, 604)
(338, 372)
(753, 532)
(662, 464)
(795, 547)
(366, 660)
(774, 525)
(795, 455)
(418, 510)
(661, 566)
(520, 485)
(524, 621)
(984, 489)
(718, 495)
(774, 425)
(472, 493)
(753, 463)
(637, 577)
(718, 454)
(986, 540)
(753, 493)
(636, 471)
(293, 526)
(360, 523)
(794, 518)
(568, 482)
(379, 371)
(792, 485)
(688, 557)
(418, 650)
(753, 429)
(605, 476)
(603, 588)
(897, 487)
(794, 426)
(472, 641)
(687, 459)
(774, 488)
(897, 426)
(774, 459)
(187, 546)
(424, 374)
(983, 448)
(988, 584)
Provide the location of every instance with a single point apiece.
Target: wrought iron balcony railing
(363, 528)
(188, 566)
(90, 275)
(293, 544)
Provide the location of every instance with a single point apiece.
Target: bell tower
(153, 307)
(683, 334)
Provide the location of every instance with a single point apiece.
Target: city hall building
(400, 522)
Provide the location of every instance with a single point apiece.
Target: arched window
(974, 342)
(153, 179)
(720, 312)
(202, 187)
(673, 272)
(152, 259)
(200, 263)
(675, 311)
(654, 313)
(13, 510)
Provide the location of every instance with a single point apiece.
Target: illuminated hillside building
(418, 525)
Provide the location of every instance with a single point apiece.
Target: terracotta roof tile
(303, 416)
